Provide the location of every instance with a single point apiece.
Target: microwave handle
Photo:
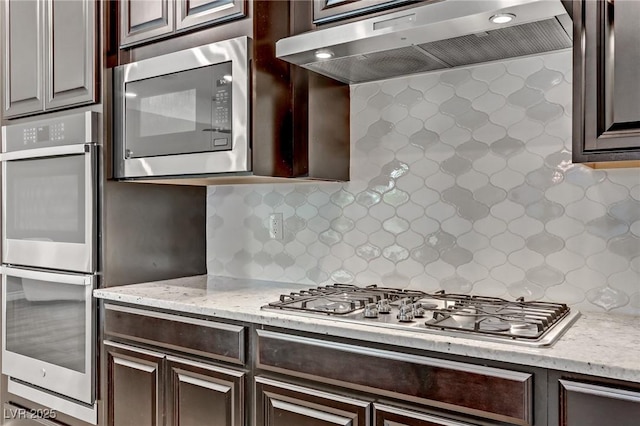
(49, 152)
(79, 279)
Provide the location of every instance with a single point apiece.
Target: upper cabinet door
(23, 57)
(142, 20)
(332, 10)
(71, 49)
(606, 85)
(192, 13)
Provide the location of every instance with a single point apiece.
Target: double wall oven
(49, 260)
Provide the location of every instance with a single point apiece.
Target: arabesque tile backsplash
(460, 180)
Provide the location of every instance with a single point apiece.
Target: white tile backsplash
(460, 180)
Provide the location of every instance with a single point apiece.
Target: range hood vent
(433, 36)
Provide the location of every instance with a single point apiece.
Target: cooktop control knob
(405, 314)
(406, 302)
(418, 310)
(371, 310)
(384, 307)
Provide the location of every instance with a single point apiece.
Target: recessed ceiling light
(324, 54)
(502, 18)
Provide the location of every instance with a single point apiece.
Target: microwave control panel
(221, 120)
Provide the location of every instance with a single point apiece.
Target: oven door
(48, 327)
(48, 207)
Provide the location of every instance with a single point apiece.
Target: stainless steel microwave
(184, 113)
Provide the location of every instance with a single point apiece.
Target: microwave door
(176, 113)
(49, 205)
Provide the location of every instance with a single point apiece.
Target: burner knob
(418, 310)
(384, 307)
(406, 302)
(371, 310)
(405, 314)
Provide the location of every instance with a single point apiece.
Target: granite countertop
(597, 344)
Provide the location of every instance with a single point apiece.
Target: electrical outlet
(275, 226)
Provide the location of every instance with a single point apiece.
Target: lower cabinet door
(202, 394)
(585, 404)
(385, 415)
(283, 404)
(134, 386)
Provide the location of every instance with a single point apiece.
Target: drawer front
(285, 404)
(220, 341)
(488, 392)
(586, 404)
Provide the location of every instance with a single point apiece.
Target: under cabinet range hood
(433, 35)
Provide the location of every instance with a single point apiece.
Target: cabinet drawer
(585, 404)
(215, 340)
(487, 392)
(285, 404)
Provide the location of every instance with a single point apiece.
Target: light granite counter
(597, 344)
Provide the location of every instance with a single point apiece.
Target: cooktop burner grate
(491, 318)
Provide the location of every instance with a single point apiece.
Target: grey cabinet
(147, 20)
(606, 97)
(49, 52)
(588, 404)
(333, 10)
(285, 404)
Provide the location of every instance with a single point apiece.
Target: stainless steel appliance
(47, 331)
(488, 318)
(49, 190)
(184, 113)
(49, 222)
(432, 35)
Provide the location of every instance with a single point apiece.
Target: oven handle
(54, 151)
(56, 277)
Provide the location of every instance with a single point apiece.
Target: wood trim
(613, 164)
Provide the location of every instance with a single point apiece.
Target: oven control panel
(43, 134)
(65, 130)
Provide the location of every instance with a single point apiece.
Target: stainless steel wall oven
(50, 225)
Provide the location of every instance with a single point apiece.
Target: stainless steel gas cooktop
(532, 323)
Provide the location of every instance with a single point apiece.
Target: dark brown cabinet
(606, 88)
(49, 55)
(142, 20)
(587, 404)
(285, 404)
(467, 391)
(148, 382)
(146, 386)
(333, 10)
(384, 415)
(146, 20)
(134, 378)
(201, 394)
